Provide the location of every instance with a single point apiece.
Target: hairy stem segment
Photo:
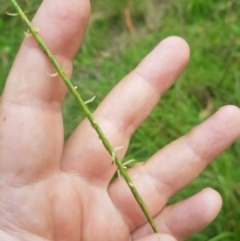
(88, 114)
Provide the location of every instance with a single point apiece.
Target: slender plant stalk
(89, 115)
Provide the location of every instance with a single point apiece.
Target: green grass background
(109, 52)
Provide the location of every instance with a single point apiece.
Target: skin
(56, 191)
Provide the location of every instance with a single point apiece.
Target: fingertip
(204, 206)
(165, 63)
(230, 114)
(218, 132)
(211, 200)
(62, 25)
(191, 215)
(178, 46)
(231, 109)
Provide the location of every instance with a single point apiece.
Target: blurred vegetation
(120, 34)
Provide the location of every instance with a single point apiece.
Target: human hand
(52, 191)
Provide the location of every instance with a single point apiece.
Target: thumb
(157, 237)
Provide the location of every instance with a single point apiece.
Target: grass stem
(82, 104)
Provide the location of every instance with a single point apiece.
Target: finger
(156, 237)
(187, 217)
(124, 109)
(31, 122)
(61, 24)
(173, 167)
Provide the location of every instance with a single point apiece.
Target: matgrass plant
(109, 52)
(121, 169)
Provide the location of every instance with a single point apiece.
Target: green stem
(89, 115)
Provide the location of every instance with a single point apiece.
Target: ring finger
(173, 167)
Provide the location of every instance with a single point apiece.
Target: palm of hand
(52, 191)
(55, 209)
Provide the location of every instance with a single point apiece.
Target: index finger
(30, 110)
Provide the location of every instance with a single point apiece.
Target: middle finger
(123, 110)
